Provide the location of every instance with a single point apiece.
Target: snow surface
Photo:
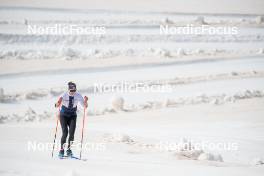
(215, 89)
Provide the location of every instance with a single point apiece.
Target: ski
(71, 157)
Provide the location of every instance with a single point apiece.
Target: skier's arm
(58, 103)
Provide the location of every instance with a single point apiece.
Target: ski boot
(69, 153)
(61, 154)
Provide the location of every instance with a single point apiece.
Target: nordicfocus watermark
(192, 145)
(131, 87)
(160, 146)
(46, 146)
(65, 29)
(198, 30)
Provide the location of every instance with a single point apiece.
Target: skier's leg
(72, 127)
(64, 127)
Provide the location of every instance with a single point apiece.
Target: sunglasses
(72, 90)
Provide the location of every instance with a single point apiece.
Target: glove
(85, 101)
(56, 105)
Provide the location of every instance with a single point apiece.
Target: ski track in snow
(180, 78)
(42, 92)
(139, 33)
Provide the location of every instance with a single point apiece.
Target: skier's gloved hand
(57, 105)
(85, 101)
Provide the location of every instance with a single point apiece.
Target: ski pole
(84, 115)
(55, 136)
(57, 116)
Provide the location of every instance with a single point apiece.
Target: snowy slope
(214, 88)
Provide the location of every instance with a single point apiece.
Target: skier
(68, 103)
